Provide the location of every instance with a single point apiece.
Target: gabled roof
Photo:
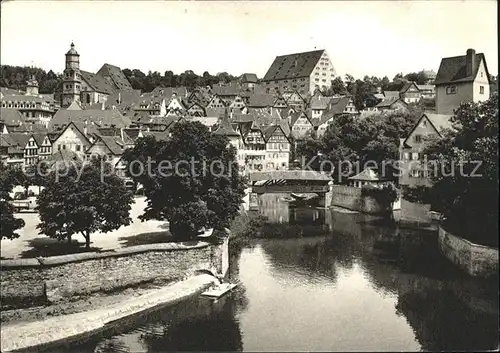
(249, 78)
(297, 115)
(12, 117)
(9, 91)
(80, 127)
(75, 106)
(426, 87)
(367, 174)
(111, 143)
(97, 82)
(62, 157)
(229, 90)
(122, 99)
(168, 92)
(226, 129)
(37, 128)
(293, 65)
(440, 122)
(101, 118)
(454, 70)
(388, 102)
(214, 112)
(261, 100)
(407, 86)
(288, 94)
(24, 98)
(19, 139)
(319, 102)
(391, 94)
(117, 77)
(132, 133)
(268, 131)
(336, 107)
(204, 120)
(39, 138)
(158, 135)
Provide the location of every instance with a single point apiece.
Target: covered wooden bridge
(290, 181)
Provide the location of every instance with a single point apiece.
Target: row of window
(413, 156)
(278, 146)
(78, 148)
(417, 173)
(19, 105)
(453, 90)
(30, 152)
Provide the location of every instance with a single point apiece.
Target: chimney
(119, 97)
(85, 128)
(470, 61)
(121, 135)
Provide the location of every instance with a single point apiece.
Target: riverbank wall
(351, 198)
(31, 282)
(51, 332)
(476, 260)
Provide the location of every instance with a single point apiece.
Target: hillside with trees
(15, 77)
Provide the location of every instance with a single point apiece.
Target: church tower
(71, 78)
(32, 86)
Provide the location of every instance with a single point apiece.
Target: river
(325, 292)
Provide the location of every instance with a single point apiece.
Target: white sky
(362, 37)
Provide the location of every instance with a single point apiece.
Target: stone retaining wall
(350, 197)
(28, 282)
(476, 260)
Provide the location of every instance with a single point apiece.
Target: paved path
(14, 248)
(26, 335)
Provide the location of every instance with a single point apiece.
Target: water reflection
(331, 293)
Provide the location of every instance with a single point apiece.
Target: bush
(385, 194)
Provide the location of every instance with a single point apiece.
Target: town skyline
(197, 31)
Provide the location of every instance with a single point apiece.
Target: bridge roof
(289, 175)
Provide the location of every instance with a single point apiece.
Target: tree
(194, 180)
(8, 223)
(464, 172)
(338, 86)
(385, 83)
(84, 199)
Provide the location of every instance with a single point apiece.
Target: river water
(330, 291)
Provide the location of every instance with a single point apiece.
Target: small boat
(287, 199)
(218, 290)
(299, 196)
(205, 233)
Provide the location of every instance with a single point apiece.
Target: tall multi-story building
(460, 79)
(303, 72)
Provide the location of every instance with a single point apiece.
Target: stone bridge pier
(219, 253)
